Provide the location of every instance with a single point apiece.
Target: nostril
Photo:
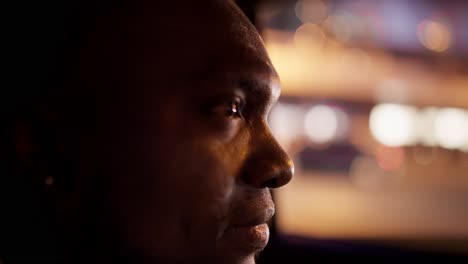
(280, 179)
(271, 169)
(271, 183)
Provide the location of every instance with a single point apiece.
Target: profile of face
(179, 160)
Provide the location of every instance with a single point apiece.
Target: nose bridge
(268, 165)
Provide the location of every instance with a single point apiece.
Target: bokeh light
(343, 26)
(434, 35)
(286, 122)
(394, 68)
(352, 59)
(393, 125)
(451, 128)
(390, 159)
(309, 36)
(311, 11)
(324, 124)
(425, 126)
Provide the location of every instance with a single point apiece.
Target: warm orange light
(434, 35)
(390, 159)
(311, 11)
(319, 67)
(309, 36)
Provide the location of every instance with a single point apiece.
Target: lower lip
(251, 238)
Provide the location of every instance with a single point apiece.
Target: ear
(28, 204)
(40, 150)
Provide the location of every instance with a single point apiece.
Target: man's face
(191, 158)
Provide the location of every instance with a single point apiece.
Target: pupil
(234, 108)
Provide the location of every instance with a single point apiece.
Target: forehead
(211, 39)
(164, 46)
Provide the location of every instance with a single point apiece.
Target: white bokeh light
(451, 128)
(393, 125)
(324, 124)
(286, 122)
(425, 126)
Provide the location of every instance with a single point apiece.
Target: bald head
(169, 39)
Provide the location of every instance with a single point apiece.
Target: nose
(268, 165)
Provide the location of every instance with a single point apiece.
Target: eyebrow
(254, 86)
(259, 91)
(260, 84)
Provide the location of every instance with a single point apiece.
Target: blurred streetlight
(324, 124)
(434, 35)
(311, 11)
(451, 128)
(393, 125)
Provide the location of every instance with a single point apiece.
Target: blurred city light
(343, 26)
(398, 71)
(392, 90)
(451, 128)
(425, 124)
(352, 59)
(393, 125)
(434, 35)
(390, 159)
(287, 122)
(399, 125)
(309, 36)
(324, 124)
(311, 11)
(321, 124)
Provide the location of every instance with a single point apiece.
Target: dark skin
(169, 155)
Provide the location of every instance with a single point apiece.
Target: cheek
(199, 184)
(201, 163)
(180, 200)
(203, 177)
(194, 178)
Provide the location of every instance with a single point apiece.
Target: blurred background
(374, 113)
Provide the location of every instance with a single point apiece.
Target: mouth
(251, 235)
(249, 238)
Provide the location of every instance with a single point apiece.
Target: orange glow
(309, 36)
(390, 159)
(311, 11)
(365, 173)
(343, 26)
(424, 156)
(310, 65)
(330, 206)
(434, 35)
(411, 180)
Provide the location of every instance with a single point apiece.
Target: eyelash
(230, 108)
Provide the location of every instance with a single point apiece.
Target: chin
(250, 259)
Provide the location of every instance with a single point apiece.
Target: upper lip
(253, 219)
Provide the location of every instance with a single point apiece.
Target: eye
(234, 109)
(227, 108)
